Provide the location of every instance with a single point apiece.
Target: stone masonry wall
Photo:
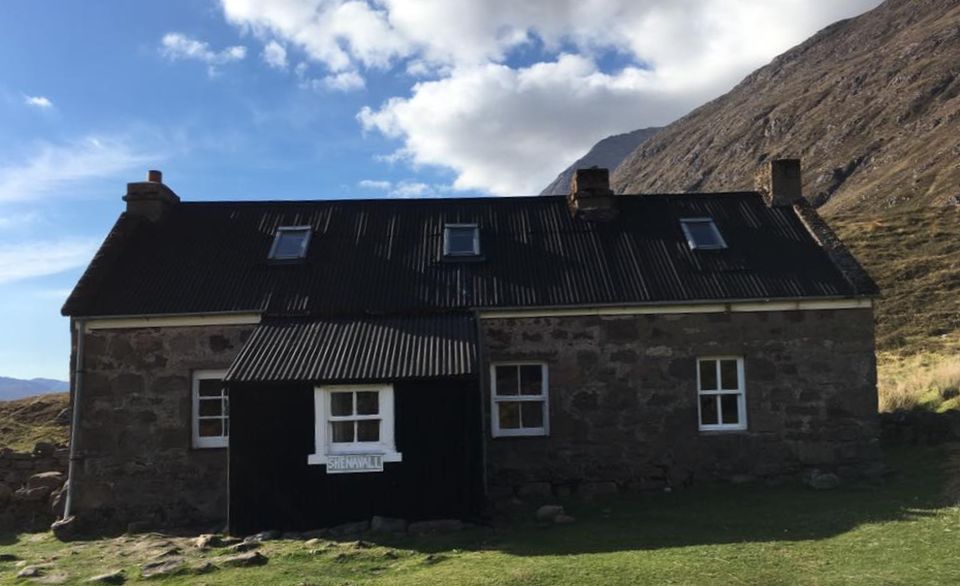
(623, 399)
(138, 465)
(30, 485)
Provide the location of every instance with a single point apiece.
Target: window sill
(322, 459)
(724, 431)
(508, 435)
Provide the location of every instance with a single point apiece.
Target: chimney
(591, 197)
(150, 199)
(780, 183)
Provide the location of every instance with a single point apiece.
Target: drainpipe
(75, 419)
(481, 378)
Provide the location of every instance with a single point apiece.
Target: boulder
(291, 536)
(64, 529)
(824, 481)
(548, 513)
(63, 417)
(114, 577)
(162, 568)
(435, 526)
(388, 525)
(32, 495)
(264, 536)
(348, 529)
(253, 558)
(563, 519)
(207, 541)
(244, 546)
(44, 449)
(52, 480)
(37, 571)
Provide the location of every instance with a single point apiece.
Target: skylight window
(290, 243)
(702, 234)
(461, 240)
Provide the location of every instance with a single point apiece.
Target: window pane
(531, 379)
(368, 431)
(368, 403)
(211, 427)
(708, 375)
(341, 404)
(509, 415)
(703, 233)
(708, 410)
(531, 414)
(342, 432)
(730, 409)
(289, 243)
(209, 387)
(460, 240)
(507, 383)
(728, 375)
(211, 407)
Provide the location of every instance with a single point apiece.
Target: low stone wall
(31, 487)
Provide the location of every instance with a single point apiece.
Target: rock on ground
(253, 558)
(114, 577)
(549, 512)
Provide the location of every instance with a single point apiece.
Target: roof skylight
(702, 234)
(461, 240)
(290, 243)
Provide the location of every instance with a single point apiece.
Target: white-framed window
(461, 240)
(519, 399)
(721, 395)
(211, 409)
(290, 242)
(702, 234)
(353, 419)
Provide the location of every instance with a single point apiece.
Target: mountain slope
(14, 388)
(871, 104)
(608, 153)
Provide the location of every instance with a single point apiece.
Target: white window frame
(692, 243)
(740, 392)
(303, 246)
(207, 441)
(324, 447)
(446, 240)
(543, 397)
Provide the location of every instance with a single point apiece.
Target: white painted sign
(346, 463)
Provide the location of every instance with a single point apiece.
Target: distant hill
(606, 154)
(14, 388)
(871, 104)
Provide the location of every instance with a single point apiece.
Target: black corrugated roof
(352, 350)
(384, 256)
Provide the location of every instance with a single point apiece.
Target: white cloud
(36, 259)
(275, 55)
(177, 46)
(41, 102)
(55, 167)
(406, 189)
(374, 184)
(344, 82)
(509, 128)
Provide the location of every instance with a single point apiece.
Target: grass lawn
(904, 532)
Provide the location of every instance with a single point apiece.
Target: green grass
(25, 422)
(902, 532)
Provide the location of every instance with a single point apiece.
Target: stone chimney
(150, 199)
(590, 195)
(781, 183)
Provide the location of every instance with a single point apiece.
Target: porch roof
(357, 349)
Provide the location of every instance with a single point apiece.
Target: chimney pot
(781, 183)
(591, 196)
(154, 176)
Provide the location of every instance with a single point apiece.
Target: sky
(310, 99)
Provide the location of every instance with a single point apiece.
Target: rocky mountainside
(608, 153)
(15, 388)
(871, 105)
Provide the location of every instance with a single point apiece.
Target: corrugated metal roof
(365, 349)
(385, 256)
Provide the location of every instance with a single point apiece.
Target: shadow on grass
(702, 515)
(714, 515)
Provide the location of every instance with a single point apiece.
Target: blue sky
(248, 99)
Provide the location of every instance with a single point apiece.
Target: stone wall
(138, 464)
(30, 485)
(623, 399)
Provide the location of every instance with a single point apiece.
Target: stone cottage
(296, 364)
